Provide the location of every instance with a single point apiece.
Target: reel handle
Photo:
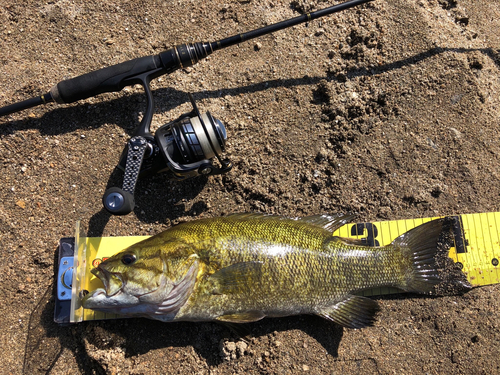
(121, 201)
(118, 201)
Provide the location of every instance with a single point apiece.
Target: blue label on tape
(65, 278)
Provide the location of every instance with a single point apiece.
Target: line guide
(476, 249)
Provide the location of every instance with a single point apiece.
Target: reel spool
(191, 142)
(185, 147)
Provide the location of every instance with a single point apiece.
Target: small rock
(457, 134)
(431, 143)
(227, 350)
(241, 347)
(319, 32)
(476, 338)
(257, 46)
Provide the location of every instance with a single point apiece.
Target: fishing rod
(187, 144)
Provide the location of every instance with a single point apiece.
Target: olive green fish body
(241, 268)
(279, 280)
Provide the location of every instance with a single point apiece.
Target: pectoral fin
(352, 312)
(237, 277)
(244, 317)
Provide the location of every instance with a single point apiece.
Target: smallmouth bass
(244, 267)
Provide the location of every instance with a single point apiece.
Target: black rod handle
(116, 77)
(110, 79)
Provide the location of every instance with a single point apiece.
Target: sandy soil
(390, 110)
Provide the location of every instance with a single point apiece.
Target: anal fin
(352, 312)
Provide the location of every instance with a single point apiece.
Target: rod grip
(110, 79)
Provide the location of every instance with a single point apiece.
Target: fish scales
(292, 279)
(241, 268)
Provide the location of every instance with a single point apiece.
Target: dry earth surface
(390, 110)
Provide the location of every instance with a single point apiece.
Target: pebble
(456, 133)
(230, 350)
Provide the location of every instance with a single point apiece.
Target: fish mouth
(112, 282)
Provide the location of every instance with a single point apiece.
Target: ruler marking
(466, 230)
(488, 249)
(469, 258)
(494, 242)
(479, 264)
(492, 270)
(477, 248)
(483, 250)
(496, 246)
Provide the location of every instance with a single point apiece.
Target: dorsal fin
(328, 222)
(349, 241)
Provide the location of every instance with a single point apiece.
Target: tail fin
(426, 249)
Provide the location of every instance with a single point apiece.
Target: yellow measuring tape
(476, 249)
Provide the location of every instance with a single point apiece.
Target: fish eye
(128, 259)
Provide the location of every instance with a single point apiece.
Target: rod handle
(111, 79)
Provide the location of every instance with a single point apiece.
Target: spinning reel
(184, 147)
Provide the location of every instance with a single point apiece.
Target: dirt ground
(390, 110)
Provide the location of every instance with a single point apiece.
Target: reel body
(184, 148)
